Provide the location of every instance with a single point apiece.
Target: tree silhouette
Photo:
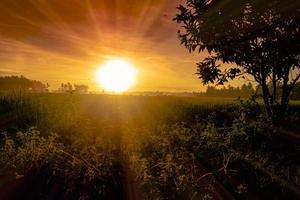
(258, 38)
(81, 89)
(10, 83)
(69, 88)
(66, 87)
(246, 90)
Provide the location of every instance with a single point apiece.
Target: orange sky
(66, 40)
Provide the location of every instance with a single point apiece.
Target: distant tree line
(69, 88)
(246, 90)
(13, 83)
(20, 83)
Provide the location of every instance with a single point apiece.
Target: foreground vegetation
(64, 146)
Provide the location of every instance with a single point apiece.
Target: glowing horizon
(64, 41)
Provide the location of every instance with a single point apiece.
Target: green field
(65, 146)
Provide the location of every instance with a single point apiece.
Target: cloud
(50, 24)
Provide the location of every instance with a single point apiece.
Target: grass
(64, 146)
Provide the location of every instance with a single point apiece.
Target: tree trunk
(281, 112)
(274, 94)
(266, 97)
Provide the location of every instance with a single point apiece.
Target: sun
(116, 75)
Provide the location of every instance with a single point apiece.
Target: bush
(82, 164)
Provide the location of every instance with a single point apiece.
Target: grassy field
(64, 146)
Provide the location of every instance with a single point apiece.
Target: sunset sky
(59, 41)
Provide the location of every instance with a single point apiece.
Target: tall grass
(64, 146)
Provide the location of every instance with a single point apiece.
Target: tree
(260, 39)
(78, 89)
(12, 83)
(66, 87)
(246, 90)
(81, 89)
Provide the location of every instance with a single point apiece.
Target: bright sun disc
(116, 75)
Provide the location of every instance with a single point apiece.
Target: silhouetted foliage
(66, 87)
(246, 90)
(12, 83)
(295, 95)
(81, 89)
(258, 38)
(69, 88)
